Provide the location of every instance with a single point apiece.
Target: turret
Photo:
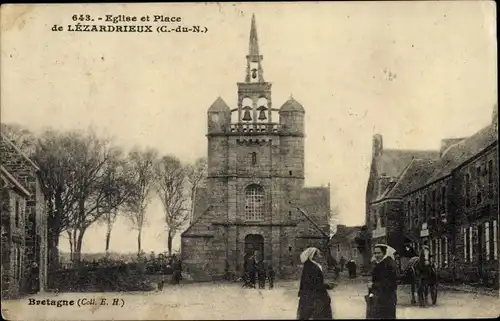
(292, 117)
(219, 117)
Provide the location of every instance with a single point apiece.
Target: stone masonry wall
(36, 217)
(476, 214)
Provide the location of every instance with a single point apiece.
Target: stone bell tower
(254, 95)
(254, 201)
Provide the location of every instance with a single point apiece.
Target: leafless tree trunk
(195, 175)
(70, 240)
(170, 188)
(141, 168)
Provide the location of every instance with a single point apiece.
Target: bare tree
(195, 175)
(170, 188)
(141, 166)
(92, 158)
(118, 187)
(58, 177)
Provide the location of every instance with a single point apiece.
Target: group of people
(257, 270)
(176, 265)
(350, 265)
(315, 301)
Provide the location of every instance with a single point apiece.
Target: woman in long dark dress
(383, 287)
(314, 300)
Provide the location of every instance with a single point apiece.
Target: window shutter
(487, 239)
(471, 253)
(446, 250)
(465, 244)
(495, 240)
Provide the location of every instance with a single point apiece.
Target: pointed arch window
(254, 203)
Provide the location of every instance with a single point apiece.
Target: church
(254, 199)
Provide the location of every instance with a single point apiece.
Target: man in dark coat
(342, 263)
(314, 300)
(351, 268)
(249, 268)
(177, 271)
(383, 287)
(34, 278)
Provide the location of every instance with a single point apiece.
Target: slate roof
(8, 176)
(292, 105)
(345, 233)
(421, 172)
(219, 105)
(460, 152)
(32, 163)
(414, 176)
(392, 162)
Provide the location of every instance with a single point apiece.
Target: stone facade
(342, 244)
(26, 172)
(449, 202)
(255, 198)
(13, 207)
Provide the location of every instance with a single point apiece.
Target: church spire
(254, 42)
(254, 59)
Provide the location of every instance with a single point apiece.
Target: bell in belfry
(246, 116)
(254, 73)
(262, 114)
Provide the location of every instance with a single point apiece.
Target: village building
(255, 200)
(449, 203)
(343, 244)
(24, 221)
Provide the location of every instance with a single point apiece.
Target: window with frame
(17, 212)
(417, 207)
(382, 216)
(490, 179)
(425, 207)
(467, 189)
(443, 200)
(254, 203)
(408, 214)
(479, 188)
(438, 201)
(433, 206)
(487, 241)
(446, 263)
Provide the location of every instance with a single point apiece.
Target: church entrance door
(254, 244)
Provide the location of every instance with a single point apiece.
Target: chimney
(494, 120)
(383, 183)
(447, 142)
(377, 145)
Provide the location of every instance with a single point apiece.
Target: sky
(414, 72)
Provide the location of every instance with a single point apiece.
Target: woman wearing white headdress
(314, 300)
(383, 287)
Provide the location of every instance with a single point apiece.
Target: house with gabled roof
(28, 239)
(449, 203)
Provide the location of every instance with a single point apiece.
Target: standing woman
(383, 287)
(314, 300)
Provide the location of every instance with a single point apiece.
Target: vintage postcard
(293, 160)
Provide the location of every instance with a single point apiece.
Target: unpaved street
(230, 301)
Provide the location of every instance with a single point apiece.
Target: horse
(420, 273)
